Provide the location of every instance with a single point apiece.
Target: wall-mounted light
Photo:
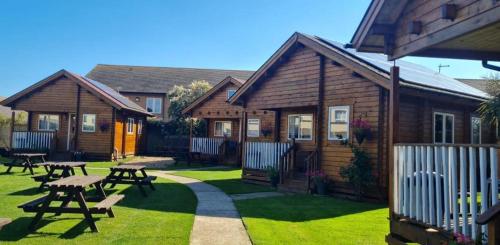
(137, 99)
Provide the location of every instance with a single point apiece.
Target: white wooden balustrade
(32, 140)
(261, 155)
(205, 145)
(445, 186)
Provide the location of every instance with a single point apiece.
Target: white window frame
(153, 100)
(139, 126)
(230, 131)
(300, 131)
(83, 123)
(227, 93)
(472, 130)
(130, 125)
(254, 120)
(48, 122)
(331, 112)
(443, 140)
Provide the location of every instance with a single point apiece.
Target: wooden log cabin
(317, 87)
(225, 123)
(458, 29)
(70, 113)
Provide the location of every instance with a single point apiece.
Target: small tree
(180, 97)
(490, 109)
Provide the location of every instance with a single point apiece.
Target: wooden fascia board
(366, 23)
(8, 101)
(264, 68)
(379, 77)
(456, 30)
(459, 54)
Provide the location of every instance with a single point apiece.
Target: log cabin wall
(417, 112)
(429, 14)
(267, 124)
(141, 98)
(294, 83)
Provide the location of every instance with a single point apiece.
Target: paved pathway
(216, 221)
(256, 195)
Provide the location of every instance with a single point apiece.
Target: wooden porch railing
(445, 186)
(287, 162)
(312, 165)
(206, 145)
(261, 155)
(28, 140)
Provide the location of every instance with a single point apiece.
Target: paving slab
(216, 221)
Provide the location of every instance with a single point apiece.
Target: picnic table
(66, 169)
(69, 189)
(127, 174)
(25, 160)
(4, 222)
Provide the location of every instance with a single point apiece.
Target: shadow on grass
(26, 192)
(300, 208)
(18, 229)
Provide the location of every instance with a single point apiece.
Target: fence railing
(27, 140)
(205, 145)
(261, 155)
(445, 186)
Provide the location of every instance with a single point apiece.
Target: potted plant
(273, 175)
(266, 132)
(461, 239)
(361, 130)
(320, 181)
(104, 126)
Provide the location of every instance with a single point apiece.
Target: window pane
(253, 128)
(293, 127)
(227, 128)
(149, 105)
(438, 128)
(230, 93)
(218, 129)
(449, 129)
(306, 127)
(340, 116)
(476, 130)
(42, 122)
(157, 108)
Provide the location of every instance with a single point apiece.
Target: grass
(226, 179)
(164, 217)
(305, 219)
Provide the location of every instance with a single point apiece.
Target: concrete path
(255, 195)
(216, 221)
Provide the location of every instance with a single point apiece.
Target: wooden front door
(70, 142)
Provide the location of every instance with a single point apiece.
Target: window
(153, 105)
(443, 128)
(130, 125)
(88, 123)
(139, 127)
(48, 122)
(300, 126)
(222, 129)
(230, 93)
(475, 126)
(338, 123)
(253, 129)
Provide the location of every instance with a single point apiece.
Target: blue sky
(39, 38)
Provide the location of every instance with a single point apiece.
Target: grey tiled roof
(157, 79)
(480, 84)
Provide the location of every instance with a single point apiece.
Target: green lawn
(227, 179)
(305, 219)
(164, 217)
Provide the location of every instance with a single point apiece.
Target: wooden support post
(30, 115)
(12, 122)
(393, 131)
(77, 119)
(124, 135)
(190, 140)
(277, 125)
(244, 137)
(319, 109)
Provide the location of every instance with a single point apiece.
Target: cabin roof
(411, 75)
(108, 94)
(480, 84)
(237, 82)
(148, 79)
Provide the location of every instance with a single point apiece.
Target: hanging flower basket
(104, 126)
(361, 130)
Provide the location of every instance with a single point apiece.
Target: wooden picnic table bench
(127, 174)
(4, 222)
(71, 189)
(57, 170)
(25, 160)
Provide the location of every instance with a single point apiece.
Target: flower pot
(320, 186)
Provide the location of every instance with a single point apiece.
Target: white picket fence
(260, 155)
(205, 145)
(32, 140)
(439, 185)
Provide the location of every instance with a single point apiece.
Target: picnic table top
(76, 181)
(21, 154)
(128, 167)
(63, 164)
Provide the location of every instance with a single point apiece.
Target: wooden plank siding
(217, 107)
